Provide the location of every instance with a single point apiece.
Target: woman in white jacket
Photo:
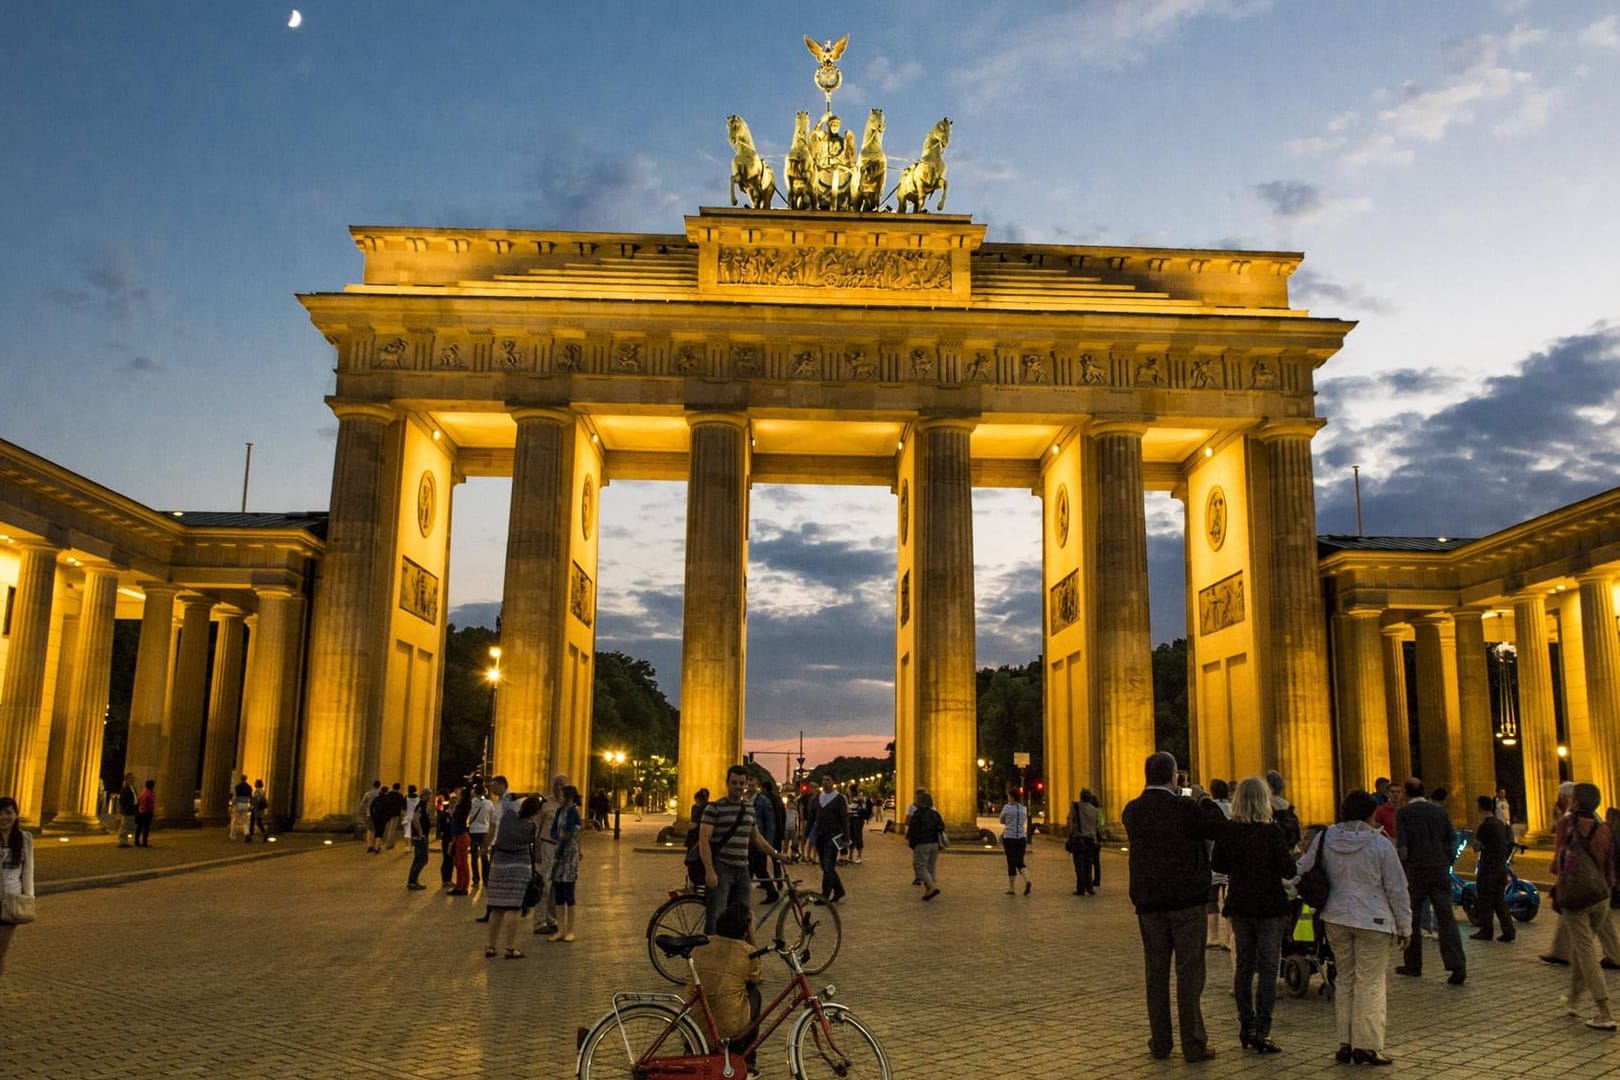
(16, 865)
(1368, 913)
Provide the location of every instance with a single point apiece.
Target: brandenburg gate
(824, 347)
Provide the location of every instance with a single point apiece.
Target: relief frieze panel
(1065, 599)
(418, 591)
(581, 595)
(834, 268)
(1221, 605)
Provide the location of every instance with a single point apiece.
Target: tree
(1170, 699)
(1011, 719)
(468, 709)
(630, 712)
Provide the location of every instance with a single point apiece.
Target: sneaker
(1549, 958)
(1602, 1025)
(568, 936)
(555, 937)
(1028, 884)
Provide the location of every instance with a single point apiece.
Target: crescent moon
(295, 20)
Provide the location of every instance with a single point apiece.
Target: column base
(75, 824)
(346, 824)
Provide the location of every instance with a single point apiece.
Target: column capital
(1364, 611)
(362, 410)
(159, 587)
(1597, 575)
(1397, 631)
(1100, 428)
(192, 600)
(228, 611)
(563, 417)
(274, 592)
(1301, 427)
(729, 419)
(1474, 613)
(946, 423)
(45, 546)
(1537, 593)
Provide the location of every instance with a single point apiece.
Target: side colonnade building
(1480, 664)
(222, 601)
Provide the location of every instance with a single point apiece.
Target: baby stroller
(1305, 952)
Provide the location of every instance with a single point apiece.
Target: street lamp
(614, 758)
(493, 676)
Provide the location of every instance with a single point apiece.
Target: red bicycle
(658, 1036)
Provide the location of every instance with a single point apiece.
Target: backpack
(1580, 880)
(1288, 821)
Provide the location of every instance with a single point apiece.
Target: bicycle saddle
(680, 945)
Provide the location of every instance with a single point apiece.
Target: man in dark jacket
(1494, 842)
(1426, 841)
(1169, 862)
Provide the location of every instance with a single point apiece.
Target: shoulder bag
(16, 909)
(1314, 884)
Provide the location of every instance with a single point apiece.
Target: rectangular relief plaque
(1066, 602)
(418, 591)
(1220, 605)
(581, 595)
(905, 598)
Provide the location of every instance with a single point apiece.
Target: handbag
(944, 841)
(1314, 884)
(1580, 880)
(16, 909)
(534, 891)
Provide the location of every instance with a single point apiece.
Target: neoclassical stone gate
(828, 348)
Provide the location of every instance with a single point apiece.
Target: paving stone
(321, 964)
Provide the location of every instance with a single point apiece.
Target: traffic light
(1040, 785)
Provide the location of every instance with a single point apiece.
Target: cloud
(1107, 34)
(1477, 78)
(1524, 443)
(1310, 289)
(1294, 201)
(1604, 34)
(109, 285)
(888, 78)
(139, 367)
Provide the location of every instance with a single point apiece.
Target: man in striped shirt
(725, 834)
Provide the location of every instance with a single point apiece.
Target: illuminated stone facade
(75, 557)
(825, 348)
(1543, 706)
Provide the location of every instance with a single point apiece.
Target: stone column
(947, 712)
(1538, 728)
(22, 691)
(143, 753)
(1364, 719)
(713, 624)
(1473, 712)
(182, 743)
(1396, 705)
(267, 720)
(1601, 649)
(348, 641)
(1298, 662)
(1435, 747)
(76, 809)
(1123, 649)
(534, 606)
(224, 717)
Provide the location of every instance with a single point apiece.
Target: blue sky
(173, 174)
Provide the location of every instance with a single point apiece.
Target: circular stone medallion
(587, 506)
(1061, 516)
(427, 496)
(1215, 518)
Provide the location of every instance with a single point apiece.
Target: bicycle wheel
(813, 930)
(616, 1043)
(844, 1048)
(681, 916)
(1523, 900)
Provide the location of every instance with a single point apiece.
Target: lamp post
(614, 758)
(493, 676)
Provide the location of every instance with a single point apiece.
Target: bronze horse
(749, 171)
(872, 168)
(926, 175)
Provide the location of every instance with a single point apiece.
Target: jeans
(143, 830)
(419, 856)
(447, 859)
(478, 851)
(1491, 892)
(832, 886)
(1179, 935)
(1085, 867)
(1432, 885)
(1257, 945)
(732, 888)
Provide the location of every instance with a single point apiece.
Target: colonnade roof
(227, 555)
(1407, 576)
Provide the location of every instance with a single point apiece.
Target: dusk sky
(173, 174)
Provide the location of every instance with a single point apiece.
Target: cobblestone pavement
(321, 964)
